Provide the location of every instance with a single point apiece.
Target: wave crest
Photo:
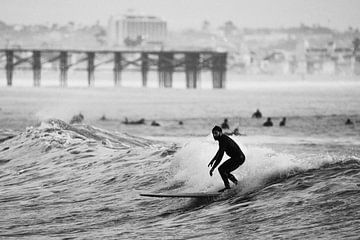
(55, 133)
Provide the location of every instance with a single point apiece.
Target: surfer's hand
(210, 164)
(211, 172)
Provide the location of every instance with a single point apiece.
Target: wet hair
(217, 128)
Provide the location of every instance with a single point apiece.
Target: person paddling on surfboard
(237, 157)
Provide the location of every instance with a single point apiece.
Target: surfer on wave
(237, 157)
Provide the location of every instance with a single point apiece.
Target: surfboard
(182, 195)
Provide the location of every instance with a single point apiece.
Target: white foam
(262, 163)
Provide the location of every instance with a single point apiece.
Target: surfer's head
(216, 132)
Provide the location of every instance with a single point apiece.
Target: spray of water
(262, 165)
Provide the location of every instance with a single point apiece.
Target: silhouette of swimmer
(268, 123)
(237, 157)
(235, 132)
(155, 124)
(5, 139)
(283, 122)
(140, 121)
(225, 124)
(257, 114)
(349, 122)
(77, 118)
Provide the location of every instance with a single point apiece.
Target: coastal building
(275, 63)
(266, 37)
(330, 60)
(133, 30)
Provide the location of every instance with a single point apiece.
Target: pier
(192, 63)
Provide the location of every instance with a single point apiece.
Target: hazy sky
(338, 14)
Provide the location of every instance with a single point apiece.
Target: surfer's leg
(232, 164)
(224, 174)
(233, 178)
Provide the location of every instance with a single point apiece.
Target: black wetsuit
(237, 158)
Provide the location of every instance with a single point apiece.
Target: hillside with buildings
(297, 50)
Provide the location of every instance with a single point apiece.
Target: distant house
(133, 30)
(330, 60)
(314, 59)
(275, 63)
(344, 60)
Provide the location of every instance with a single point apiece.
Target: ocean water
(82, 181)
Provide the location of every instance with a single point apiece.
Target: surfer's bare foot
(222, 190)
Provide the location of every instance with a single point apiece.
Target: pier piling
(117, 68)
(63, 68)
(165, 69)
(9, 67)
(164, 62)
(144, 68)
(91, 68)
(37, 68)
(218, 68)
(192, 70)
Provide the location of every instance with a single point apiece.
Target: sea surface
(83, 180)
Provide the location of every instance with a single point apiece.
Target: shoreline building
(135, 30)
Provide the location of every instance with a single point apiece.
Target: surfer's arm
(214, 158)
(219, 155)
(217, 159)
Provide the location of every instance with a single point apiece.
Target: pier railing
(164, 62)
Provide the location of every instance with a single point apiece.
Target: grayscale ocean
(82, 181)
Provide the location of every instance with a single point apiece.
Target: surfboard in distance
(182, 195)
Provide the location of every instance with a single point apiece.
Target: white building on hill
(135, 30)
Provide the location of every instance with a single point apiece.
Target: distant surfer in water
(237, 157)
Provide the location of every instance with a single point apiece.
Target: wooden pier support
(9, 67)
(144, 68)
(218, 68)
(63, 68)
(192, 70)
(37, 68)
(91, 68)
(165, 69)
(165, 62)
(117, 68)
